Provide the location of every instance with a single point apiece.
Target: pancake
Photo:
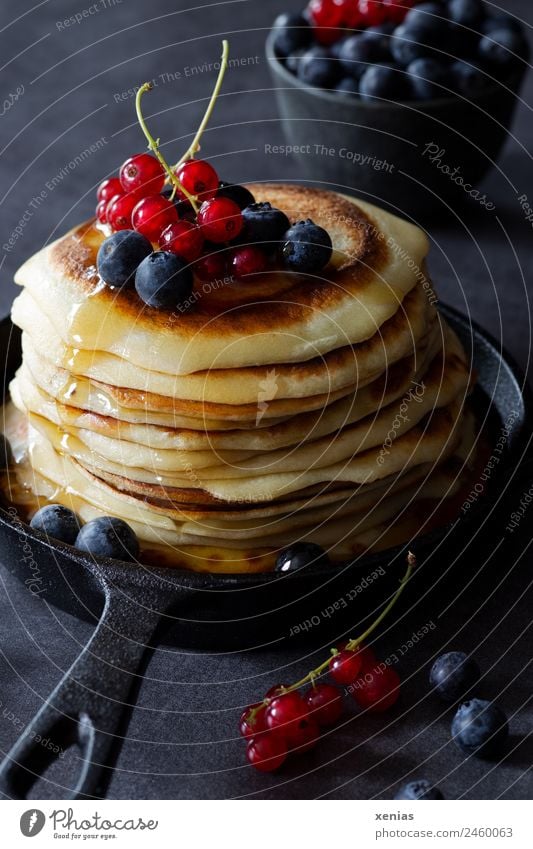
(287, 407)
(281, 317)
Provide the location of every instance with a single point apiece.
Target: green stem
(195, 144)
(154, 147)
(353, 644)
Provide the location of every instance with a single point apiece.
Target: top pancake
(277, 317)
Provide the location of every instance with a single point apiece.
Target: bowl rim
(430, 105)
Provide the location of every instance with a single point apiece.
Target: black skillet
(134, 607)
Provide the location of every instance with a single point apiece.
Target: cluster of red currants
(138, 199)
(290, 721)
(330, 17)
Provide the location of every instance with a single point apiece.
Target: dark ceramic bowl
(410, 156)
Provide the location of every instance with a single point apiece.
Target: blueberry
(348, 85)
(163, 280)
(503, 48)
(420, 789)
(421, 14)
(383, 81)
(240, 194)
(291, 32)
(480, 728)
(292, 62)
(452, 675)
(469, 13)
(57, 522)
(380, 38)
(307, 247)
(6, 455)
(501, 20)
(356, 54)
(108, 537)
(301, 554)
(469, 79)
(317, 68)
(264, 222)
(429, 78)
(120, 255)
(409, 43)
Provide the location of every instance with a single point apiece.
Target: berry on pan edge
(108, 537)
(58, 522)
(120, 255)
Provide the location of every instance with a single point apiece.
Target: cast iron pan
(134, 607)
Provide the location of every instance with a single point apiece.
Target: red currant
(101, 211)
(378, 689)
(305, 736)
(119, 210)
(249, 726)
(327, 17)
(267, 752)
(211, 266)
(276, 690)
(373, 12)
(367, 655)
(142, 174)
(152, 214)
(247, 260)
(109, 188)
(182, 238)
(351, 16)
(199, 178)
(345, 666)
(284, 714)
(220, 219)
(396, 10)
(324, 703)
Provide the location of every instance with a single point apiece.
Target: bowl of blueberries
(406, 103)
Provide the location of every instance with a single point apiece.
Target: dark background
(182, 737)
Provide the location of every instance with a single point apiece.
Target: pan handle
(78, 712)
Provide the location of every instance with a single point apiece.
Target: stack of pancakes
(264, 412)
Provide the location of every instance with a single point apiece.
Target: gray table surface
(68, 119)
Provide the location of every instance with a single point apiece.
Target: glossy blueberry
(383, 81)
(6, 455)
(419, 789)
(348, 85)
(356, 54)
(317, 68)
(430, 78)
(108, 537)
(299, 555)
(240, 194)
(380, 38)
(503, 48)
(291, 32)
(480, 728)
(500, 20)
(420, 14)
(469, 79)
(163, 280)
(120, 255)
(57, 522)
(452, 675)
(307, 247)
(264, 222)
(411, 42)
(469, 13)
(292, 61)
(183, 207)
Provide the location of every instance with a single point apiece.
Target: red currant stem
(195, 144)
(352, 644)
(153, 145)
